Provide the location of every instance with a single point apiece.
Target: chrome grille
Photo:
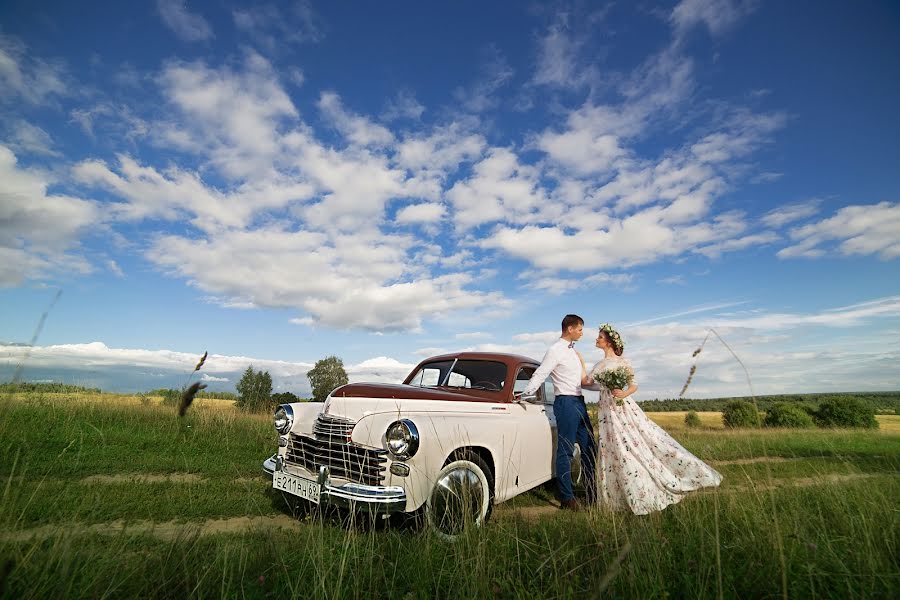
(345, 460)
(333, 429)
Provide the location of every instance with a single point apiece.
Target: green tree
(284, 398)
(254, 391)
(845, 411)
(739, 413)
(692, 419)
(784, 414)
(325, 376)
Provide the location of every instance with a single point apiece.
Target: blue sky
(386, 181)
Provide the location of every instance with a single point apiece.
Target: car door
(537, 427)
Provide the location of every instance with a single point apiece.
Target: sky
(388, 181)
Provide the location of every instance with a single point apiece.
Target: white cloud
(356, 129)
(356, 184)
(748, 241)
(403, 106)
(495, 73)
(643, 238)
(500, 189)
(473, 335)
(857, 230)
(26, 138)
(742, 134)
(99, 358)
(558, 52)
(208, 377)
(778, 217)
(623, 211)
(844, 316)
(430, 351)
(717, 15)
(368, 284)
(186, 25)
(690, 311)
(29, 79)
(380, 369)
(38, 229)
(273, 26)
(557, 286)
(232, 116)
(672, 280)
(97, 355)
(176, 193)
(114, 268)
(779, 349)
(85, 117)
(441, 151)
(421, 213)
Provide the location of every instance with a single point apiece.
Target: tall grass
(64, 534)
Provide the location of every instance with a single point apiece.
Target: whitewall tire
(460, 498)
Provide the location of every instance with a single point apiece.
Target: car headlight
(284, 419)
(402, 439)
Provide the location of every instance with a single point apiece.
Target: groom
(563, 364)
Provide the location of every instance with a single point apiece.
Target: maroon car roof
(504, 357)
(406, 391)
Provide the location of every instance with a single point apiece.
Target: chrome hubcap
(457, 501)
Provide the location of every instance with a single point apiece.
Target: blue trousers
(573, 425)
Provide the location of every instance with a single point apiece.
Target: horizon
(385, 183)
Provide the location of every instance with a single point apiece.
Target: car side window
(548, 391)
(523, 377)
(427, 377)
(457, 380)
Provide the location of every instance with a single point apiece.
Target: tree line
(254, 390)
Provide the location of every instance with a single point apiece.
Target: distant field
(887, 403)
(888, 424)
(112, 496)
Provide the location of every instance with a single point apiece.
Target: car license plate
(298, 486)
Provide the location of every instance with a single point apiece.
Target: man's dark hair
(571, 321)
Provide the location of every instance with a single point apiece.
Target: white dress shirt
(564, 367)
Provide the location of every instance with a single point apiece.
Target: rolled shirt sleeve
(551, 359)
(564, 367)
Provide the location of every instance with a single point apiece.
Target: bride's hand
(620, 394)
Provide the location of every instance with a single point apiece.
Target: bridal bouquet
(619, 378)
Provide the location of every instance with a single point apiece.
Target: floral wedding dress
(640, 466)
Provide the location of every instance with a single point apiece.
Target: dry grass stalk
(188, 396)
(687, 383)
(17, 375)
(202, 360)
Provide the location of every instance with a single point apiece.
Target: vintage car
(454, 438)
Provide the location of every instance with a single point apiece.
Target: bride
(640, 466)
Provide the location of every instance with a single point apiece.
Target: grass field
(113, 496)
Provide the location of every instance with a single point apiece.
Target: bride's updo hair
(613, 338)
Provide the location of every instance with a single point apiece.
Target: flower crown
(618, 344)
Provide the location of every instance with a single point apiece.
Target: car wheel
(461, 497)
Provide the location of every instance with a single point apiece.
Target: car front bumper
(354, 496)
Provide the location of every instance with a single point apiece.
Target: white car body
(513, 437)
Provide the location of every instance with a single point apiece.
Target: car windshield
(471, 374)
